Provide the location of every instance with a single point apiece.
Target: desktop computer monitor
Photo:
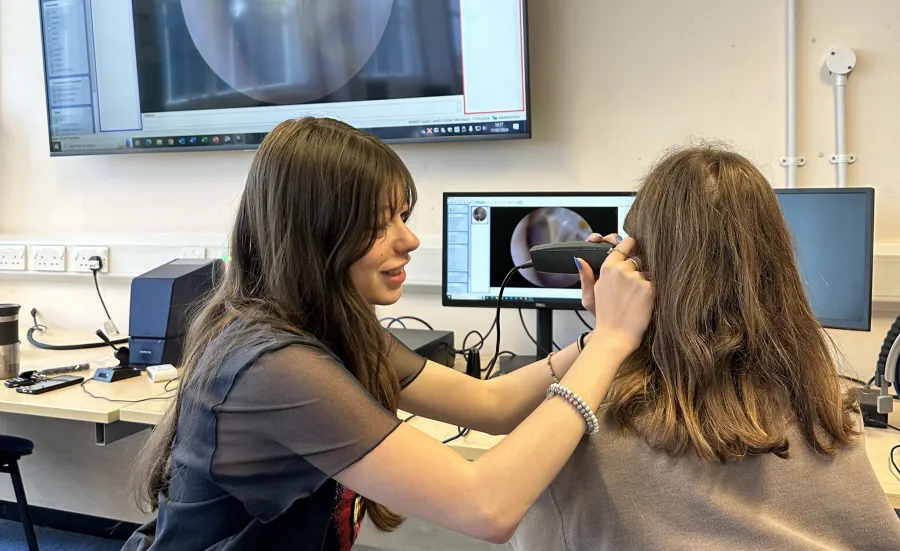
(488, 234)
(832, 230)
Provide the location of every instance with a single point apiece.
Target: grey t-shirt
(617, 493)
(255, 453)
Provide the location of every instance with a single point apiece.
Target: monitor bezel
(527, 134)
(869, 244)
(552, 304)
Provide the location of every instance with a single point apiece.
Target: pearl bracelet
(593, 424)
(550, 368)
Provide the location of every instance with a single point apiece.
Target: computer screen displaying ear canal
(139, 76)
(485, 236)
(832, 231)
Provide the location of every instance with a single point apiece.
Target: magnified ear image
(543, 226)
(286, 51)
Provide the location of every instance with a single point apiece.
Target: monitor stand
(544, 337)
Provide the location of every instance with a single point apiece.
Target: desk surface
(73, 402)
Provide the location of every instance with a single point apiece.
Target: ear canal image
(543, 226)
(286, 51)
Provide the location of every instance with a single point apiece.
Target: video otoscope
(553, 258)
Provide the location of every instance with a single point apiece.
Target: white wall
(613, 84)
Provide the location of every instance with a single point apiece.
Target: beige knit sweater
(617, 493)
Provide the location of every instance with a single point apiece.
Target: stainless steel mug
(9, 340)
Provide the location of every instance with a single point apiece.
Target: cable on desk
(462, 432)
(401, 319)
(586, 324)
(413, 416)
(166, 386)
(894, 463)
(92, 395)
(45, 346)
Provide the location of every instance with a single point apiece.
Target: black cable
(895, 448)
(166, 386)
(534, 340)
(413, 416)
(496, 323)
(92, 395)
(99, 294)
(400, 319)
(893, 427)
(503, 353)
(462, 432)
(44, 346)
(577, 313)
(854, 380)
(480, 337)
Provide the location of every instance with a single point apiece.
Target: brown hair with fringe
(314, 203)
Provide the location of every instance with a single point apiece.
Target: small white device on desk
(162, 373)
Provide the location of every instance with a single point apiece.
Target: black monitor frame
(867, 245)
(557, 304)
(254, 140)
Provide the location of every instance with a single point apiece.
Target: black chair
(13, 448)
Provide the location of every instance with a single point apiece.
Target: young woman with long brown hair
(286, 412)
(729, 427)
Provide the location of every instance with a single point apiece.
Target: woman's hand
(621, 297)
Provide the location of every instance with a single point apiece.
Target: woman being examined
(728, 428)
(286, 414)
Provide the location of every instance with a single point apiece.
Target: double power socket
(51, 258)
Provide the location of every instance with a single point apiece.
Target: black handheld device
(559, 258)
(52, 383)
(25, 378)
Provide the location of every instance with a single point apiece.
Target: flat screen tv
(138, 76)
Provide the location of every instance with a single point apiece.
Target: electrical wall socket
(81, 255)
(193, 252)
(48, 258)
(12, 257)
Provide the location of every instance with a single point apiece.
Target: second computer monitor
(486, 235)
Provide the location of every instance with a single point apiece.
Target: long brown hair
(734, 357)
(314, 203)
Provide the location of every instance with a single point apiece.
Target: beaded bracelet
(593, 424)
(550, 368)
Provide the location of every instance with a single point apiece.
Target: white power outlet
(82, 255)
(48, 258)
(193, 252)
(12, 257)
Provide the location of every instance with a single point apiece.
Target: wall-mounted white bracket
(848, 159)
(796, 161)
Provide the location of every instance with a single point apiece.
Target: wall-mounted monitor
(131, 76)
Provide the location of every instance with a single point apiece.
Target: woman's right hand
(620, 297)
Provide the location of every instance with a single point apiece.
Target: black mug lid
(9, 310)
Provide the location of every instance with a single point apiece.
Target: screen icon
(193, 140)
(204, 140)
(226, 139)
(443, 130)
(182, 141)
(159, 141)
(239, 138)
(215, 140)
(477, 129)
(428, 131)
(455, 129)
(470, 129)
(515, 126)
